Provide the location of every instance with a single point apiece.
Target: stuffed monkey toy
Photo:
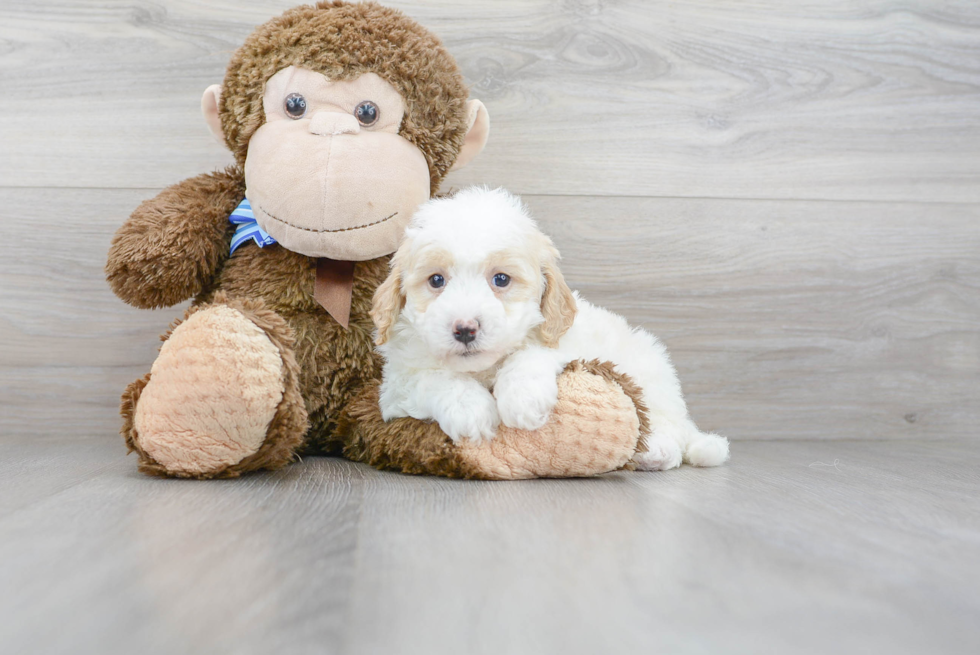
(342, 119)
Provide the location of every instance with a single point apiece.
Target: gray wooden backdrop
(788, 193)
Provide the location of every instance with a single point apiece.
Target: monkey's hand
(172, 245)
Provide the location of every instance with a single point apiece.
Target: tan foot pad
(212, 393)
(593, 429)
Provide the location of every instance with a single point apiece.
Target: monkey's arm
(597, 426)
(172, 245)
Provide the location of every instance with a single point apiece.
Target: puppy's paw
(471, 413)
(663, 453)
(525, 402)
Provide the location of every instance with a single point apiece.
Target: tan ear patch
(557, 304)
(388, 303)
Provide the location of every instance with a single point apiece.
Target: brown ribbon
(334, 287)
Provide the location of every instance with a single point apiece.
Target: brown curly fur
(404, 444)
(172, 244)
(334, 362)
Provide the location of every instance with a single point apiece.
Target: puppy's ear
(388, 302)
(557, 302)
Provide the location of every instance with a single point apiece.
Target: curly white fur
(471, 349)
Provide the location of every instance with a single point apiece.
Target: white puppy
(475, 323)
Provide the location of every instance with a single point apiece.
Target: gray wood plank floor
(795, 547)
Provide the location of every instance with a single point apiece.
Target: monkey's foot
(222, 397)
(595, 428)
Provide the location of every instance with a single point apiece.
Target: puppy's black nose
(465, 331)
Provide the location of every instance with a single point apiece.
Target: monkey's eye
(437, 281)
(501, 280)
(295, 105)
(367, 113)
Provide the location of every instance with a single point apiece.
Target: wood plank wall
(787, 193)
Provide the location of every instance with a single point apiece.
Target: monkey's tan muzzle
(324, 187)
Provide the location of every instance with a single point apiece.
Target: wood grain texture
(790, 319)
(801, 547)
(823, 100)
(826, 320)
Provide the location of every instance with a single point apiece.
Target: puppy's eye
(501, 280)
(295, 105)
(367, 113)
(437, 281)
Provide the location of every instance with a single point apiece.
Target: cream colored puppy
(475, 323)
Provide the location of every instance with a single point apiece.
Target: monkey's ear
(477, 133)
(209, 106)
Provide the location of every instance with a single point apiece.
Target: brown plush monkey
(343, 118)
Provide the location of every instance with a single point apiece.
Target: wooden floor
(795, 547)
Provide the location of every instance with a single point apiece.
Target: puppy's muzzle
(465, 331)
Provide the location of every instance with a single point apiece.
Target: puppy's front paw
(471, 413)
(525, 402)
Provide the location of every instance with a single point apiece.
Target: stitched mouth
(308, 229)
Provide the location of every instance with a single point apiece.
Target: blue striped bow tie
(247, 227)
